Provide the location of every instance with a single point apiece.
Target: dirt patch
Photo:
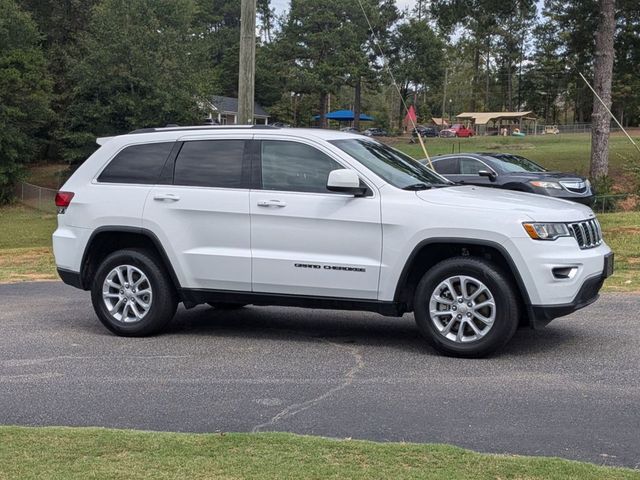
(27, 264)
(510, 146)
(624, 230)
(634, 132)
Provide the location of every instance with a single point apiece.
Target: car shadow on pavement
(362, 328)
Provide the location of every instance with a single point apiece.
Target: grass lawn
(622, 234)
(568, 152)
(72, 453)
(25, 247)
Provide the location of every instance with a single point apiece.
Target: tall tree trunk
(404, 89)
(356, 103)
(486, 92)
(323, 110)
(509, 87)
(476, 73)
(603, 71)
(580, 105)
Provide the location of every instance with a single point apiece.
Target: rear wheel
(132, 294)
(466, 307)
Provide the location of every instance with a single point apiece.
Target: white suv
(231, 216)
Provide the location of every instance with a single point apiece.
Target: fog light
(564, 272)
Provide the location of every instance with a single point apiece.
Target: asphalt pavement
(570, 390)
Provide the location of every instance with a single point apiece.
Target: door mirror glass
(345, 181)
(486, 173)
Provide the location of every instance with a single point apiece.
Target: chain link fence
(542, 129)
(40, 198)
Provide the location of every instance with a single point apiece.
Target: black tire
(504, 295)
(226, 306)
(164, 300)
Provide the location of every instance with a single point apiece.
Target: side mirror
(484, 173)
(345, 181)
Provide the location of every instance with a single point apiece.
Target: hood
(556, 176)
(538, 208)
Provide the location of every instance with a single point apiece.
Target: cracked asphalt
(571, 390)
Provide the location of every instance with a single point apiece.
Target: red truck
(459, 130)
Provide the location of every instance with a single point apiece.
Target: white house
(224, 111)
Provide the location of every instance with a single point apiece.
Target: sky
(282, 5)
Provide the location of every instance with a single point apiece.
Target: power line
(395, 84)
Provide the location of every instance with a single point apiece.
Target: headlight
(541, 184)
(588, 183)
(546, 231)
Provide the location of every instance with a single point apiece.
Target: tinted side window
(470, 166)
(295, 167)
(137, 164)
(446, 166)
(210, 163)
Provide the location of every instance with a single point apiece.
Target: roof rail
(203, 127)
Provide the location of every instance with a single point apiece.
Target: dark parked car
(424, 131)
(513, 172)
(376, 132)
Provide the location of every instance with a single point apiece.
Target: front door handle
(272, 203)
(166, 196)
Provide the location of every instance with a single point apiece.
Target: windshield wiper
(417, 186)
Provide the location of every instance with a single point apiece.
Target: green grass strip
(91, 453)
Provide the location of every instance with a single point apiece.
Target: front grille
(587, 233)
(576, 187)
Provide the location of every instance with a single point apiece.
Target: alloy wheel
(127, 294)
(462, 309)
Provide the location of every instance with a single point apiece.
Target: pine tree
(25, 93)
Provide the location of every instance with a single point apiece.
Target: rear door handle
(166, 196)
(272, 203)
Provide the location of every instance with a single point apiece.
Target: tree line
(74, 70)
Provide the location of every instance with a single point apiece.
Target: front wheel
(132, 294)
(466, 307)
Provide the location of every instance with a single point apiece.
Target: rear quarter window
(141, 164)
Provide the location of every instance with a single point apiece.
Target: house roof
(482, 118)
(344, 115)
(439, 121)
(230, 105)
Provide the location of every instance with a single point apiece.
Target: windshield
(396, 168)
(516, 163)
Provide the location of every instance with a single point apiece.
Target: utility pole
(247, 71)
(444, 95)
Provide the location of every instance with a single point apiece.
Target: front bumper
(541, 315)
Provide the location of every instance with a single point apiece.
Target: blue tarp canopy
(344, 116)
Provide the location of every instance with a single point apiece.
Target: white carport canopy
(482, 118)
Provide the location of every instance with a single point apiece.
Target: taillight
(63, 199)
